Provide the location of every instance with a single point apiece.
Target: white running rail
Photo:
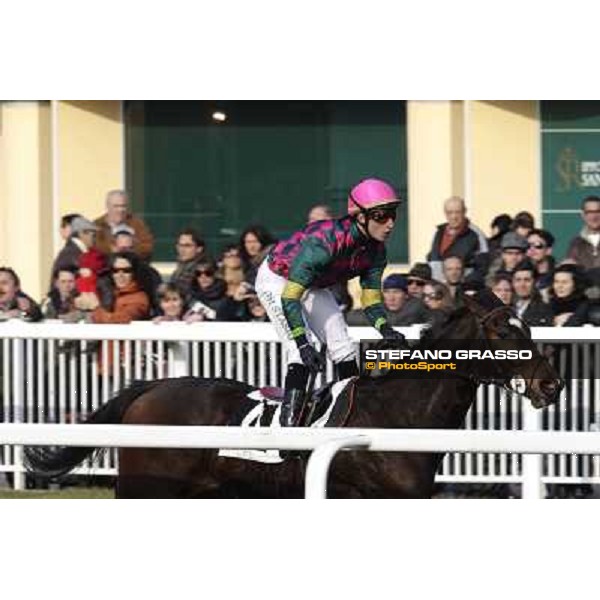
(43, 381)
(324, 442)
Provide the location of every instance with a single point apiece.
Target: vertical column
(89, 149)
(26, 193)
(503, 173)
(435, 140)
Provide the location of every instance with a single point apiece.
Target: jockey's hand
(311, 358)
(389, 333)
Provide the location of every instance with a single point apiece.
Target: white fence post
(532, 488)
(320, 461)
(18, 392)
(179, 367)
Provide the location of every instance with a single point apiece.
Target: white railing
(324, 443)
(44, 380)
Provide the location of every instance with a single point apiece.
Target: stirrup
(291, 408)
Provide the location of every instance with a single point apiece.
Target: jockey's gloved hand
(310, 357)
(389, 333)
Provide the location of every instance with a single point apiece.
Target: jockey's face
(380, 228)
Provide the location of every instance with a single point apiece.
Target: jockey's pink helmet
(370, 193)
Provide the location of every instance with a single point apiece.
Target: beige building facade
(58, 157)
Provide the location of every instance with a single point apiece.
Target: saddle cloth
(331, 409)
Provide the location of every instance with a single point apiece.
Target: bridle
(502, 380)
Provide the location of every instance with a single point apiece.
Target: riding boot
(291, 407)
(346, 369)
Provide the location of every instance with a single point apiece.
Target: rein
(502, 380)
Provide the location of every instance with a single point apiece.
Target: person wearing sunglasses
(584, 249)
(438, 300)
(128, 299)
(191, 249)
(416, 279)
(293, 283)
(539, 252)
(513, 252)
(207, 294)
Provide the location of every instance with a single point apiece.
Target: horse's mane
(441, 330)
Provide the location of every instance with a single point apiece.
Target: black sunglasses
(382, 215)
(208, 273)
(433, 296)
(122, 270)
(416, 282)
(538, 246)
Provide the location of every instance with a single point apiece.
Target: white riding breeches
(322, 317)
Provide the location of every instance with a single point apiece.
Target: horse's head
(498, 324)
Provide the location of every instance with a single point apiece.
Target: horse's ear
(470, 301)
(488, 300)
(483, 299)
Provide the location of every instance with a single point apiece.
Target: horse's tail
(57, 461)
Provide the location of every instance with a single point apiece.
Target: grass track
(72, 493)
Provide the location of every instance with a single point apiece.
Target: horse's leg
(164, 473)
(382, 475)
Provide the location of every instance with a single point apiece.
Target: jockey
(294, 279)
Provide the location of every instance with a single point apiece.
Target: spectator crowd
(103, 273)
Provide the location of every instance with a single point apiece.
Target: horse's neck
(439, 403)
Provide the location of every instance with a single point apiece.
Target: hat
(512, 240)
(79, 224)
(420, 271)
(122, 228)
(395, 282)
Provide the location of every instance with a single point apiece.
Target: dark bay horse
(383, 402)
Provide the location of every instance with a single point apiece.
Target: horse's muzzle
(548, 392)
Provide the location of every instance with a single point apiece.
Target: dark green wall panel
(268, 163)
(570, 165)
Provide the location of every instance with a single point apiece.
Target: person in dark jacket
(539, 252)
(14, 303)
(458, 236)
(585, 248)
(501, 285)
(191, 250)
(65, 225)
(83, 237)
(500, 225)
(60, 302)
(416, 279)
(568, 302)
(439, 301)
(453, 271)
(513, 253)
(527, 300)
(255, 243)
(207, 294)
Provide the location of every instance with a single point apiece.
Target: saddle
(317, 405)
(331, 407)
